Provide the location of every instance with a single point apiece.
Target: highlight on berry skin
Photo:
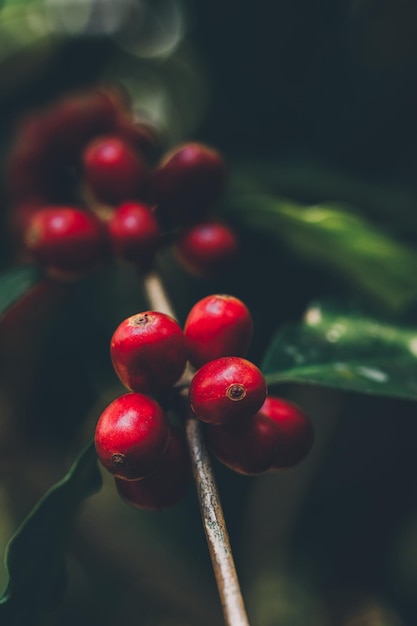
(113, 170)
(65, 239)
(148, 352)
(134, 234)
(218, 325)
(131, 436)
(227, 390)
(207, 249)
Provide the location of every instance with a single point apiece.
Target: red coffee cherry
(227, 390)
(134, 233)
(166, 485)
(131, 436)
(248, 447)
(65, 239)
(217, 326)
(148, 352)
(207, 248)
(188, 181)
(295, 430)
(113, 170)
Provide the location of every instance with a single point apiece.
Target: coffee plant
(208, 304)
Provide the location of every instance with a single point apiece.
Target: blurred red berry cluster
(88, 180)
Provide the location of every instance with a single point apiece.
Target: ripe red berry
(188, 181)
(296, 433)
(134, 233)
(148, 351)
(166, 485)
(227, 390)
(207, 248)
(131, 436)
(217, 326)
(113, 170)
(248, 447)
(65, 239)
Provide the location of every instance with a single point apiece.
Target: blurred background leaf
(15, 283)
(35, 555)
(390, 204)
(339, 240)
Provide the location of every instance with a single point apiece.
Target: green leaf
(35, 557)
(345, 350)
(314, 182)
(339, 240)
(16, 283)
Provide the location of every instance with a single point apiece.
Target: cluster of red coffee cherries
(87, 180)
(246, 430)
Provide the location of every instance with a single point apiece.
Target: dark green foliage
(35, 557)
(342, 348)
(15, 283)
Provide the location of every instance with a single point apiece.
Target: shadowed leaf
(346, 350)
(35, 557)
(16, 283)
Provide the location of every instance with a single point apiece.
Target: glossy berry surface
(188, 181)
(166, 485)
(218, 325)
(134, 233)
(113, 170)
(65, 239)
(296, 433)
(227, 390)
(131, 436)
(148, 351)
(207, 248)
(248, 447)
